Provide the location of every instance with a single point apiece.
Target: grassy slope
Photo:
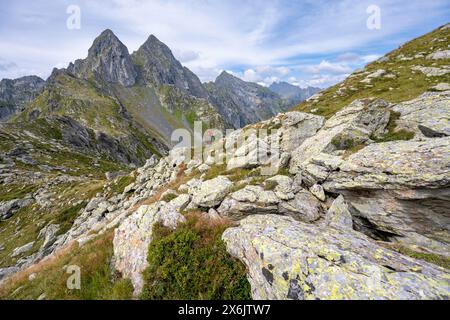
(407, 84)
(24, 226)
(97, 281)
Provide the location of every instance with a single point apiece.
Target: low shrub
(192, 263)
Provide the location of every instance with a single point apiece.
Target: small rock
(441, 87)
(129, 188)
(203, 168)
(212, 192)
(25, 248)
(439, 55)
(339, 216)
(318, 191)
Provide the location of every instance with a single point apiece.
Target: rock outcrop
(288, 259)
(134, 235)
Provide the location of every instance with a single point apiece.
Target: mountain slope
(293, 94)
(242, 103)
(401, 75)
(15, 94)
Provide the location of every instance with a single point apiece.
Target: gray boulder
(212, 192)
(8, 208)
(288, 259)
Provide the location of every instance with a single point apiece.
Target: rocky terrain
(345, 197)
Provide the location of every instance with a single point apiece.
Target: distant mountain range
(293, 94)
(127, 105)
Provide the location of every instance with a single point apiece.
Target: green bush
(192, 263)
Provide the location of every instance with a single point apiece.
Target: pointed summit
(158, 66)
(225, 77)
(108, 59)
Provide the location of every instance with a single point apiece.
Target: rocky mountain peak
(226, 78)
(158, 66)
(106, 41)
(108, 59)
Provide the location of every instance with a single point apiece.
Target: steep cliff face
(242, 103)
(108, 59)
(15, 94)
(293, 94)
(157, 66)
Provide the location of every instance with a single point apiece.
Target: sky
(303, 42)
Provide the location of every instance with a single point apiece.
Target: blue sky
(310, 42)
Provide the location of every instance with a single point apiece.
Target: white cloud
(186, 56)
(270, 40)
(327, 67)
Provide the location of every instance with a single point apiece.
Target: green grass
(168, 197)
(118, 186)
(192, 263)
(16, 191)
(25, 225)
(67, 217)
(98, 281)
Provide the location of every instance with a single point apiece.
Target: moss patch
(436, 259)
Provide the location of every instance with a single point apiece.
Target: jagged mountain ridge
(148, 92)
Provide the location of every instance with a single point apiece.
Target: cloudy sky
(305, 42)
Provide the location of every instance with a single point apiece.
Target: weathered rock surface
(339, 215)
(432, 71)
(15, 94)
(134, 235)
(8, 208)
(23, 249)
(439, 55)
(401, 188)
(288, 259)
(250, 200)
(212, 192)
(108, 59)
(304, 207)
(353, 125)
(429, 114)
